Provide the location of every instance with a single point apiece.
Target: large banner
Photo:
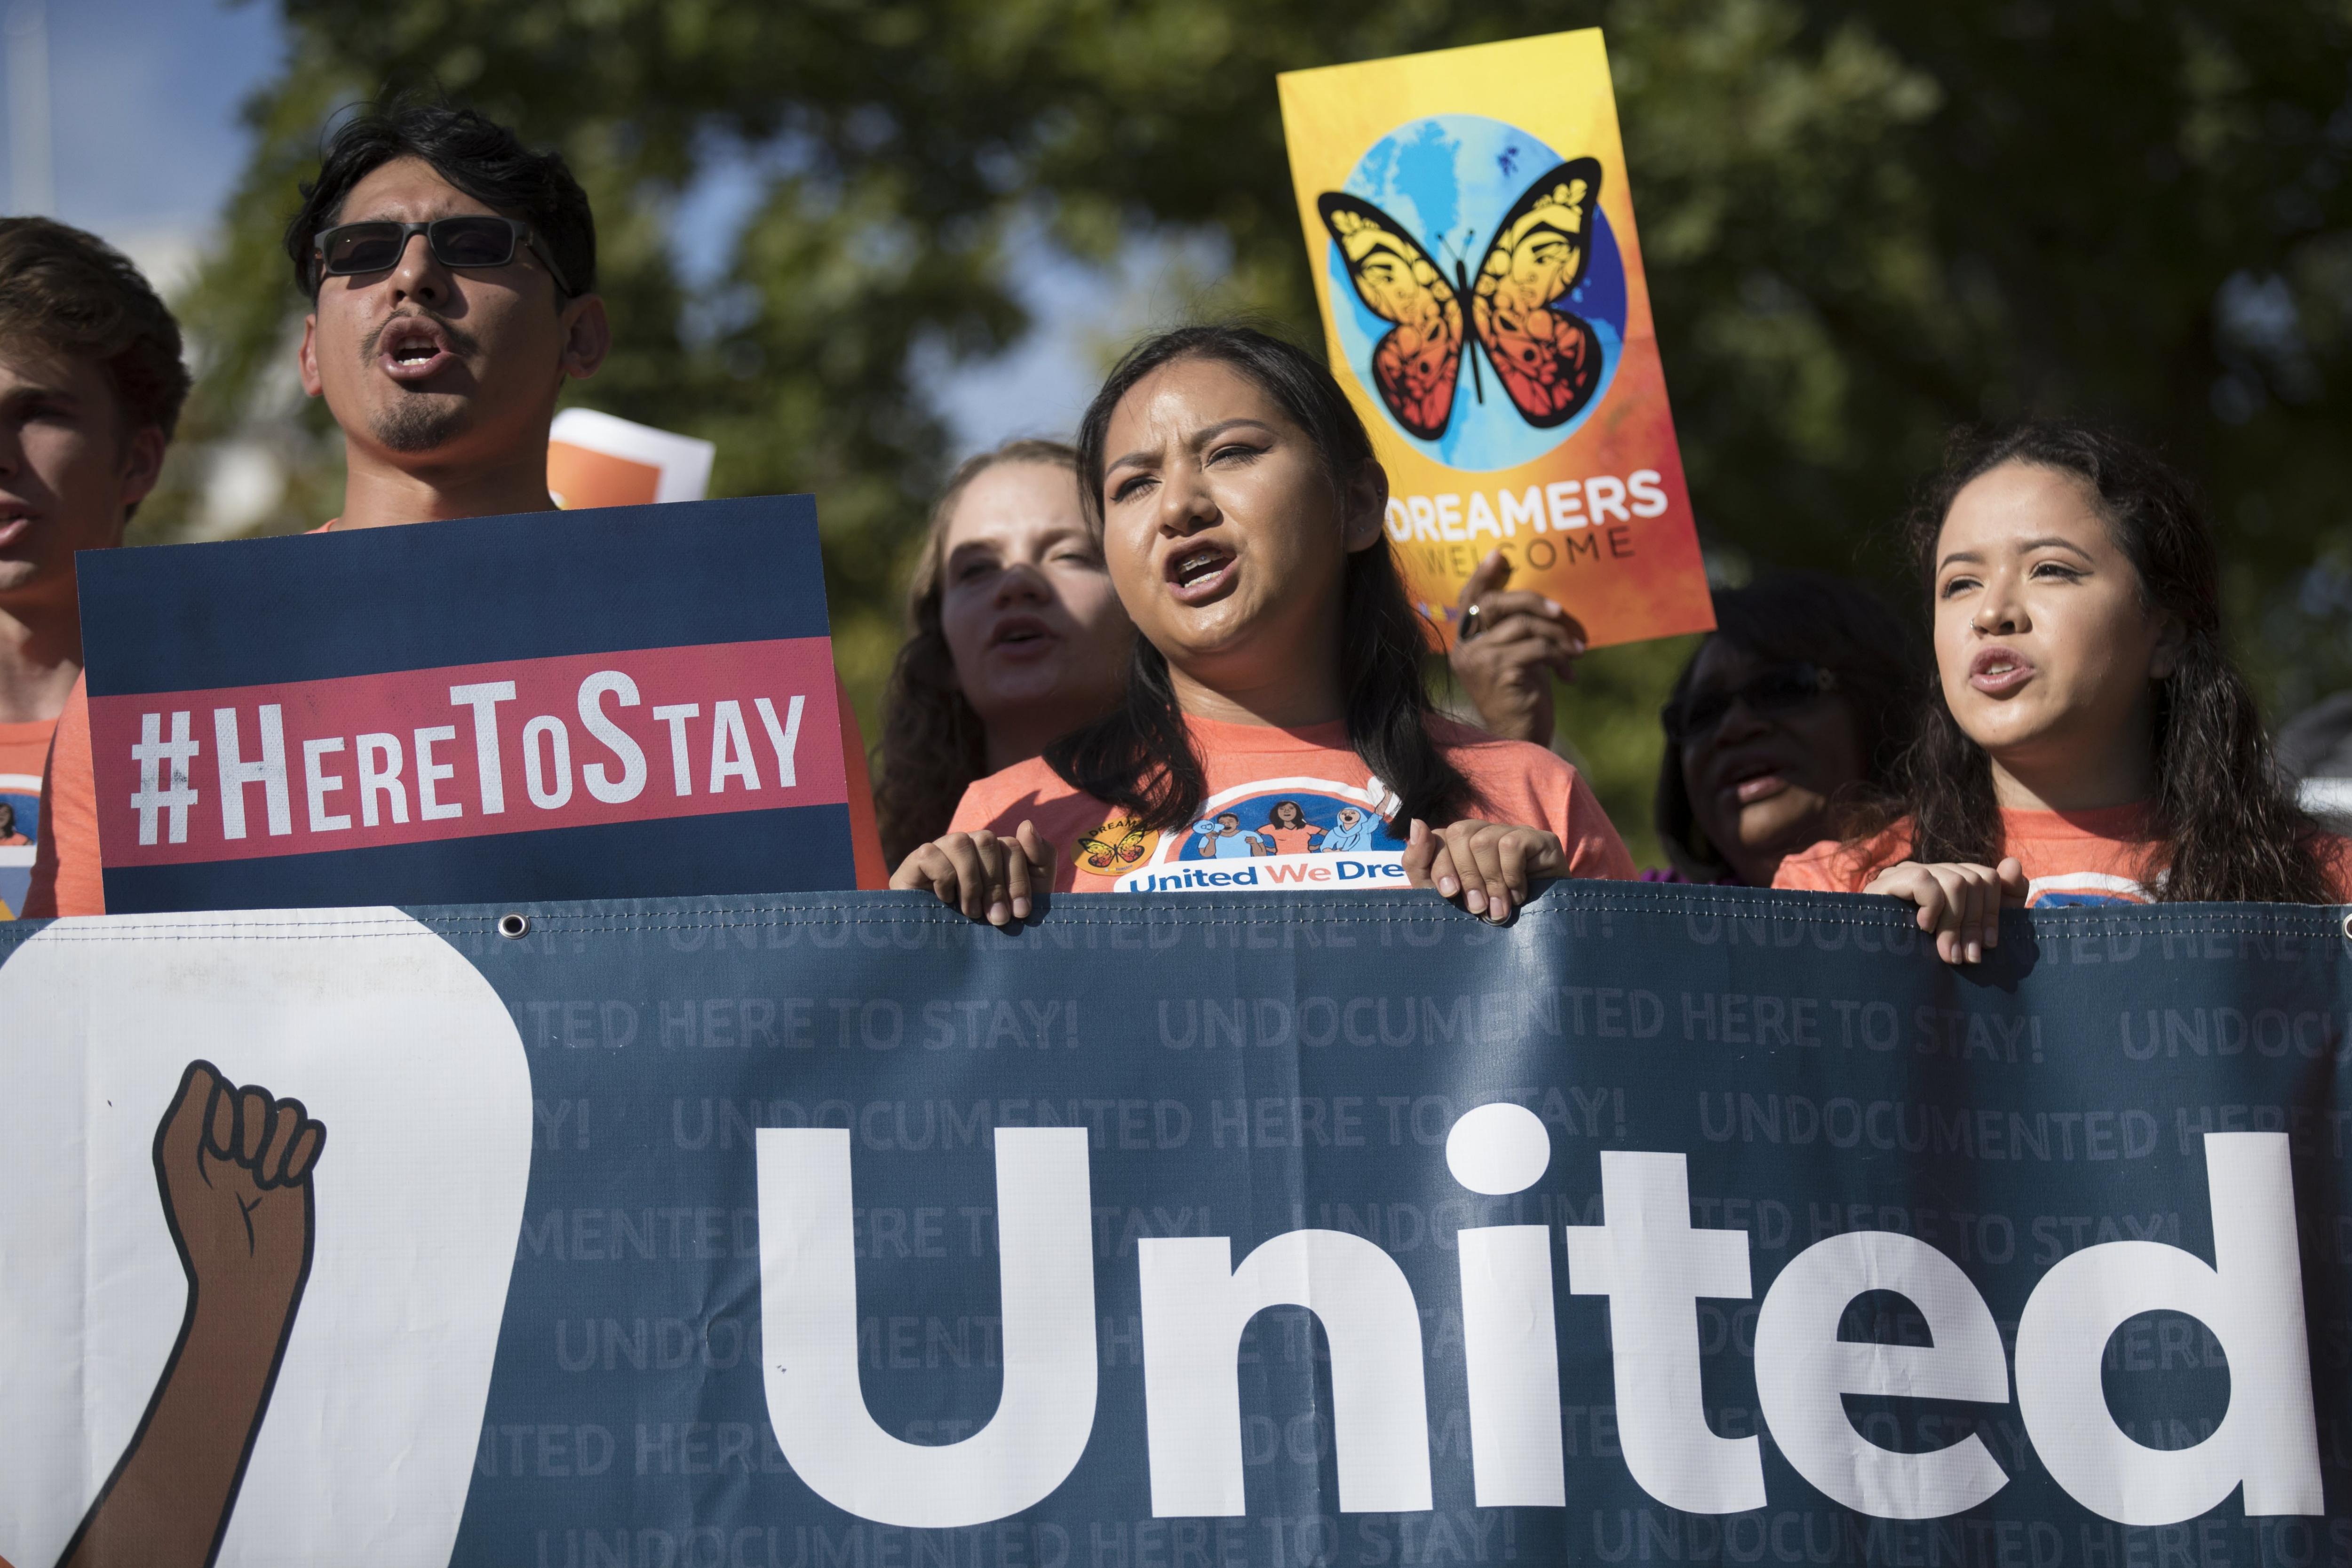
(636, 700)
(1294, 1229)
(1470, 233)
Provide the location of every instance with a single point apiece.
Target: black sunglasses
(1771, 695)
(473, 240)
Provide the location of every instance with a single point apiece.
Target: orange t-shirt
(23, 762)
(2070, 857)
(1253, 770)
(66, 875)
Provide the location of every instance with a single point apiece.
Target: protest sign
(619, 701)
(1663, 1225)
(598, 459)
(1470, 233)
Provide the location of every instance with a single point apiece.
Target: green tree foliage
(1863, 224)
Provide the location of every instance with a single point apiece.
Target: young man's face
(430, 365)
(68, 470)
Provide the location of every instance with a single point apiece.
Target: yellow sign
(1471, 237)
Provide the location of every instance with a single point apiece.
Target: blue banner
(1287, 1229)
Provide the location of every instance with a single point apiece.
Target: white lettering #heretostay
(154, 793)
(324, 790)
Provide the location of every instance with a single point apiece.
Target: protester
(1014, 636)
(1791, 712)
(452, 273)
(1241, 508)
(2089, 740)
(90, 389)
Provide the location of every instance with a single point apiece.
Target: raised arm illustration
(233, 1167)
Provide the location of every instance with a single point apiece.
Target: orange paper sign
(595, 459)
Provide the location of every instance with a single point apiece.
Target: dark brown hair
(933, 743)
(472, 152)
(2224, 827)
(80, 295)
(1140, 756)
(1805, 617)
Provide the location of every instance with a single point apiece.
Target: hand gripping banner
(837, 1232)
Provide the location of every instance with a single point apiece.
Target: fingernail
(1553, 605)
(1021, 908)
(1448, 886)
(1502, 909)
(998, 914)
(1976, 951)
(1477, 900)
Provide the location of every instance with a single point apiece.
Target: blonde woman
(1015, 637)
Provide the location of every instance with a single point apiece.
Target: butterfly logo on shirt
(1548, 360)
(1116, 845)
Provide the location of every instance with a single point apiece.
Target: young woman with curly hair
(2087, 739)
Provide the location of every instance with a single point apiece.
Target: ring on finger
(1471, 622)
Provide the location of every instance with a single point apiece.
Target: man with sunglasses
(451, 274)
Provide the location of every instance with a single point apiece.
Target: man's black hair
(473, 152)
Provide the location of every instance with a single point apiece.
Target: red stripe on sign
(465, 751)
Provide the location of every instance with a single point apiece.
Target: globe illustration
(1448, 180)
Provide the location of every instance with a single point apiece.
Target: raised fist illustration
(233, 1168)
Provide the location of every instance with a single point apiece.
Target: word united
(1653, 1266)
(467, 750)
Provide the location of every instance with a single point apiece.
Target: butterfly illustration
(1122, 841)
(1548, 360)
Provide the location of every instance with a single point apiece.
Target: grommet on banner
(2347, 928)
(513, 925)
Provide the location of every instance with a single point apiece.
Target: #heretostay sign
(1665, 1224)
(635, 701)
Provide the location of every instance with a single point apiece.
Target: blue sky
(147, 146)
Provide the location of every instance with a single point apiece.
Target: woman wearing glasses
(2087, 739)
(1789, 713)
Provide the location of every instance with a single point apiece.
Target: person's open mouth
(1020, 637)
(411, 349)
(1998, 671)
(1198, 573)
(1749, 781)
(1760, 784)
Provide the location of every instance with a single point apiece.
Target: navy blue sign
(634, 701)
(1663, 1226)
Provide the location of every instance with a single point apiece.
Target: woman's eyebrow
(2054, 541)
(1203, 437)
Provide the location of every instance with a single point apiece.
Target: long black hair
(1139, 757)
(1833, 624)
(2223, 827)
